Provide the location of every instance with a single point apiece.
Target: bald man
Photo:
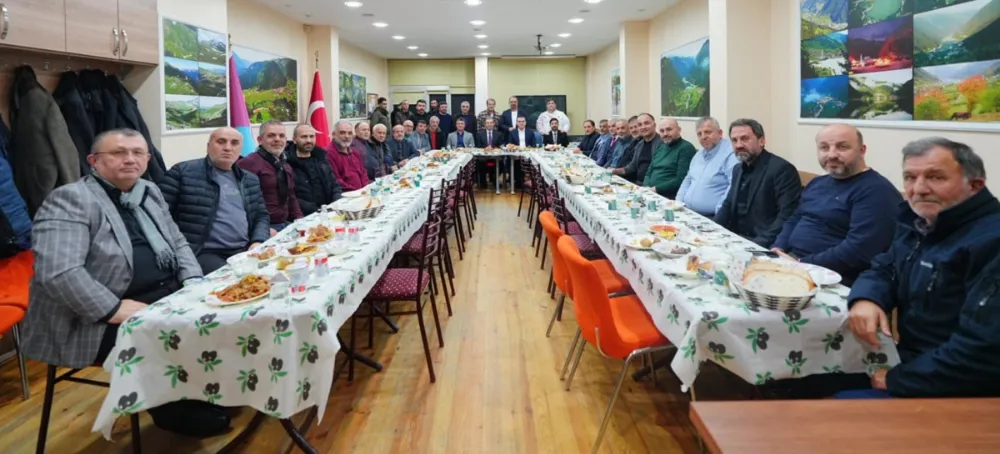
(315, 183)
(670, 161)
(847, 216)
(217, 205)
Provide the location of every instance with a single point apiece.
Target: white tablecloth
(705, 323)
(274, 356)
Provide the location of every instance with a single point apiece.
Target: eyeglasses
(122, 154)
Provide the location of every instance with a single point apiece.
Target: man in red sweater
(347, 162)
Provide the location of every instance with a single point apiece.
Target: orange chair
(17, 272)
(618, 327)
(613, 281)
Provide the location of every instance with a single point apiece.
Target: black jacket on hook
(74, 110)
(128, 116)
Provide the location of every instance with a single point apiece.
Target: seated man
(419, 138)
(379, 152)
(554, 136)
(488, 138)
(624, 153)
(707, 181)
(461, 138)
(521, 137)
(942, 275)
(846, 217)
(277, 181)
(407, 129)
(642, 150)
(315, 183)
(607, 133)
(670, 160)
(105, 247)
(619, 138)
(590, 138)
(438, 139)
(765, 189)
(346, 159)
(400, 148)
(217, 205)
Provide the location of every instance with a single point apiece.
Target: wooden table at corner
(871, 426)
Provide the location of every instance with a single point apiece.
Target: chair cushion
(399, 284)
(573, 228)
(527, 184)
(612, 280)
(633, 323)
(10, 316)
(588, 248)
(413, 246)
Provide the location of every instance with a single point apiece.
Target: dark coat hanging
(70, 99)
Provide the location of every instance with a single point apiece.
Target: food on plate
(693, 263)
(648, 242)
(302, 248)
(283, 263)
(511, 146)
(432, 165)
(776, 279)
(262, 254)
(405, 183)
(249, 287)
(679, 250)
(319, 234)
(665, 230)
(608, 190)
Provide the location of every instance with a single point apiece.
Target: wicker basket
(366, 213)
(773, 302)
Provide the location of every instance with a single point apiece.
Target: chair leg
(520, 202)
(569, 354)
(460, 226)
(444, 285)
(611, 404)
(449, 265)
(423, 338)
(371, 325)
(43, 427)
(25, 389)
(469, 219)
(576, 363)
(472, 198)
(552, 286)
(538, 245)
(552, 321)
(136, 434)
(437, 320)
(545, 250)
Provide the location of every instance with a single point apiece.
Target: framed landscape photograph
(270, 85)
(684, 81)
(901, 61)
(353, 92)
(616, 92)
(195, 80)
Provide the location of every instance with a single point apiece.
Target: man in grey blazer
(105, 247)
(461, 138)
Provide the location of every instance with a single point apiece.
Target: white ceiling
(441, 28)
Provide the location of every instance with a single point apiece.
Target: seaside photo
(881, 96)
(824, 98)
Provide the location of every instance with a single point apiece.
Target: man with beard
(846, 217)
(446, 122)
(671, 160)
(438, 139)
(407, 129)
(422, 114)
(707, 181)
(606, 135)
(380, 116)
(624, 152)
(765, 189)
(420, 140)
(642, 150)
(589, 142)
(277, 181)
(402, 113)
(217, 205)
(315, 184)
(508, 120)
(400, 148)
(554, 136)
(347, 158)
(380, 152)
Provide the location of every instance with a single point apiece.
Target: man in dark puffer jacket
(217, 205)
(315, 184)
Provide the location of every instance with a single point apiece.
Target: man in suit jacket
(643, 147)
(765, 189)
(105, 247)
(555, 136)
(490, 137)
(402, 150)
(508, 120)
(461, 138)
(438, 138)
(520, 136)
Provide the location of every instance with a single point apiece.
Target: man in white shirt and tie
(551, 112)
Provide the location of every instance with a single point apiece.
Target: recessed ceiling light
(485, 54)
(477, 23)
(412, 47)
(592, 1)
(549, 52)
(565, 35)
(480, 36)
(575, 20)
(555, 45)
(421, 55)
(473, 2)
(398, 37)
(484, 46)
(380, 24)
(352, 4)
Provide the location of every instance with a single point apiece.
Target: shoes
(192, 418)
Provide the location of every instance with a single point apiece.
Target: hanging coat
(68, 95)
(128, 116)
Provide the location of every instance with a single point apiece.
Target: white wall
(678, 25)
(355, 60)
(599, 67)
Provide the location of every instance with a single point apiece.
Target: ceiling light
(575, 20)
(421, 55)
(352, 4)
(380, 24)
(549, 52)
(485, 54)
(473, 2)
(477, 23)
(480, 36)
(398, 37)
(555, 45)
(484, 46)
(592, 1)
(565, 35)
(413, 47)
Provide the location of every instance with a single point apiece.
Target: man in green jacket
(380, 115)
(670, 160)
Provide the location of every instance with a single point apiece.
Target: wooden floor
(497, 390)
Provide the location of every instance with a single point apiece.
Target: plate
(822, 276)
(678, 269)
(666, 249)
(211, 300)
(673, 205)
(285, 253)
(597, 184)
(664, 228)
(635, 242)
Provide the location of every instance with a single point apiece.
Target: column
(482, 83)
(325, 41)
(633, 62)
(741, 60)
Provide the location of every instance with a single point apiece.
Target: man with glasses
(217, 205)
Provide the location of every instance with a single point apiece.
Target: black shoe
(192, 418)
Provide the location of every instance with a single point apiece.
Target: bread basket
(771, 299)
(364, 207)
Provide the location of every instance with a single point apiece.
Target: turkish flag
(317, 114)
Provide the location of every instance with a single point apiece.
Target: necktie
(555, 138)
(461, 142)
(489, 138)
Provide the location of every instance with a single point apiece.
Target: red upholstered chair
(527, 186)
(452, 215)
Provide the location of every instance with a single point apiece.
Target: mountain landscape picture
(923, 6)
(353, 89)
(959, 92)
(684, 81)
(824, 97)
(867, 12)
(194, 77)
(884, 46)
(881, 96)
(270, 84)
(966, 32)
(822, 17)
(825, 55)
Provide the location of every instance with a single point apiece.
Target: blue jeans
(863, 394)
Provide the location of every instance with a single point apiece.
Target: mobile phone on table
(759, 252)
